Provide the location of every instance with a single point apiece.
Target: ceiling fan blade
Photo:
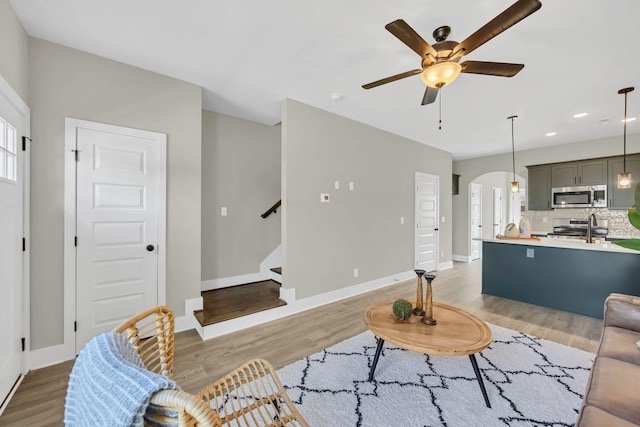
(430, 95)
(502, 69)
(511, 16)
(392, 78)
(408, 36)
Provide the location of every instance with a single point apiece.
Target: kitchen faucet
(591, 222)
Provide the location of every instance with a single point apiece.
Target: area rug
(529, 381)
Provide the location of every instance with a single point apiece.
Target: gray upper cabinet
(564, 175)
(586, 172)
(623, 198)
(539, 188)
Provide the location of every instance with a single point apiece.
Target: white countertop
(567, 244)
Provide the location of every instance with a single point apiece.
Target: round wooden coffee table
(457, 333)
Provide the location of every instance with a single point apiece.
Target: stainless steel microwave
(586, 196)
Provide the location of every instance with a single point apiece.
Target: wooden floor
(223, 304)
(40, 399)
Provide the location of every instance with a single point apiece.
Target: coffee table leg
(474, 363)
(375, 358)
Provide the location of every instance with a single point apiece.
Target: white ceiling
(248, 55)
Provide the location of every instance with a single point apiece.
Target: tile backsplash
(619, 225)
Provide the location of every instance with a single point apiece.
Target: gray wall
(324, 242)
(241, 171)
(470, 169)
(14, 51)
(65, 82)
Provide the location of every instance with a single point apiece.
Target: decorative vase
(418, 310)
(428, 319)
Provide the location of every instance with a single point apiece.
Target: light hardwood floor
(40, 399)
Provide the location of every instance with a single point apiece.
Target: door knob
(150, 248)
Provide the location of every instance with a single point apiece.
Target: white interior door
(497, 211)
(119, 226)
(426, 237)
(476, 220)
(12, 258)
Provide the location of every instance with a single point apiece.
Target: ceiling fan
(440, 64)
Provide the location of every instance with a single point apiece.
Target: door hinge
(24, 142)
(75, 326)
(24, 244)
(23, 340)
(75, 240)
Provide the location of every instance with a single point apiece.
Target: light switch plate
(223, 211)
(351, 186)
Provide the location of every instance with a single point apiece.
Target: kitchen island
(562, 274)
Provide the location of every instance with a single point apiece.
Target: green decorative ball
(402, 309)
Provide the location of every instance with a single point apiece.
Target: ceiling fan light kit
(439, 63)
(624, 178)
(440, 74)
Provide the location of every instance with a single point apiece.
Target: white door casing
(426, 220)
(497, 211)
(475, 219)
(119, 224)
(14, 254)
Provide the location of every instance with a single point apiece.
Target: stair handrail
(272, 209)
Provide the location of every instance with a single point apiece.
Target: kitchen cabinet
(539, 187)
(585, 172)
(620, 198)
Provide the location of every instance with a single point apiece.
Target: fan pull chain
(440, 111)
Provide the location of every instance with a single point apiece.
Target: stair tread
(237, 301)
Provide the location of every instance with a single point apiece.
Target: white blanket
(109, 385)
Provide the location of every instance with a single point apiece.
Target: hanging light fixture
(515, 186)
(624, 178)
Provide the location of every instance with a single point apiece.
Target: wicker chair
(251, 395)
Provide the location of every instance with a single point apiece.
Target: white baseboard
(48, 356)
(445, 265)
(11, 393)
(461, 258)
(189, 321)
(288, 295)
(300, 305)
(275, 276)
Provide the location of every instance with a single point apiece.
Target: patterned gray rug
(529, 381)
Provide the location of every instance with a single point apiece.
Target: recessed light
(577, 116)
(550, 133)
(629, 119)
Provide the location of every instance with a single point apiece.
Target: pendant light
(515, 186)
(624, 178)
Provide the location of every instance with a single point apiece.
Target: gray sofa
(612, 396)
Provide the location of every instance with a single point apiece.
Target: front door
(426, 237)
(476, 220)
(119, 225)
(12, 187)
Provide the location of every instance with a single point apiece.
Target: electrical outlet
(545, 220)
(337, 185)
(223, 211)
(351, 186)
(355, 272)
(401, 220)
(530, 253)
